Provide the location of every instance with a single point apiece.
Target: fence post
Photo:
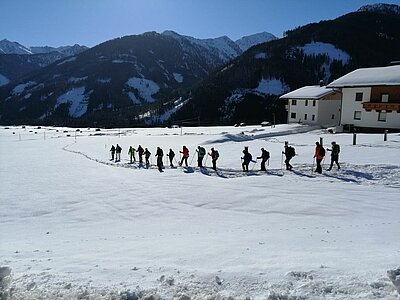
(385, 135)
(354, 138)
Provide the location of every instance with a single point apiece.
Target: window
(382, 116)
(305, 117)
(384, 97)
(314, 103)
(294, 102)
(293, 115)
(313, 117)
(306, 103)
(333, 117)
(359, 96)
(357, 115)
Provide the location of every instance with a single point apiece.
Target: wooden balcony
(381, 106)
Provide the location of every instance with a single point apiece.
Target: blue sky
(90, 22)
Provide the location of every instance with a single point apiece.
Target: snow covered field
(74, 225)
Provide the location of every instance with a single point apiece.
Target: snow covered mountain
(66, 50)
(8, 47)
(249, 41)
(381, 8)
(247, 89)
(223, 46)
(137, 76)
(17, 60)
(121, 79)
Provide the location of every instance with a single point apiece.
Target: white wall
(368, 119)
(322, 111)
(326, 109)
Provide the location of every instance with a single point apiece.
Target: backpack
(216, 154)
(202, 151)
(336, 149)
(291, 151)
(322, 151)
(267, 156)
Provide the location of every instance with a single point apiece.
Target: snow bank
(318, 48)
(77, 101)
(3, 80)
(145, 88)
(178, 77)
(271, 86)
(20, 88)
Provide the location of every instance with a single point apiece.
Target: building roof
(369, 77)
(313, 92)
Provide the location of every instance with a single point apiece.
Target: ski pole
(281, 163)
(312, 169)
(192, 159)
(205, 163)
(255, 162)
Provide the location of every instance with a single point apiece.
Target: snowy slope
(3, 80)
(251, 40)
(77, 226)
(223, 47)
(8, 47)
(318, 48)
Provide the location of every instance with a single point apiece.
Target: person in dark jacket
(131, 153)
(289, 154)
(247, 157)
(214, 156)
(160, 155)
(112, 150)
(118, 150)
(319, 156)
(264, 158)
(140, 151)
(201, 152)
(335, 150)
(147, 154)
(171, 155)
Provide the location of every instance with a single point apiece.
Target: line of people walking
(288, 153)
(144, 152)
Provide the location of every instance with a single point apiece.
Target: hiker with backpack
(112, 150)
(171, 155)
(289, 153)
(140, 151)
(118, 150)
(159, 155)
(247, 157)
(185, 156)
(264, 158)
(201, 152)
(319, 156)
(214, 156)
(334, 155)
(131, 153)
(147, 154)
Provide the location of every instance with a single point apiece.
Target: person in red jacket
(185, 156)
(319, 156)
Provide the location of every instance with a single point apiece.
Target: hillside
(157, 78)
(17, 60)
(247, 88)
(117, 82)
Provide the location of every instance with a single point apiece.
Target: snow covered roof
(369, 77)
(309, 92)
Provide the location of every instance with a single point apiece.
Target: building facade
(313, 105)
(370, 99)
